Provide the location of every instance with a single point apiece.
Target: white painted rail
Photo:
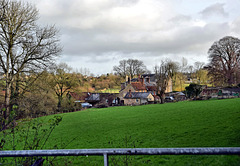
(123, 151)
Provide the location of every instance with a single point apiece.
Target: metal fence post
(105, 159)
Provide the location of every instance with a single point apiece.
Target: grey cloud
(235, 25)
(180, 19)
(103, 58)
(215, 9)
(125, 2)
(90, 35)
(190, 39)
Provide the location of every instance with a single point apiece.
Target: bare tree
(130, 67)
(121, 69)
(164, 73)
(224, 58)
(201, 74)
(198, 65)
(3, 4)
(184, 65)
(183, 69)
(24, 46)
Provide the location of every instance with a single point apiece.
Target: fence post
(105, 159)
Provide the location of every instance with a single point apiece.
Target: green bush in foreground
(27, 135)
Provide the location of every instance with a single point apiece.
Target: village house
(210, 92)
(143, 84)
(217, 92)
(96, 99)
(80, 98)
(136, 91)
(101, 100)
(232, 92)
(138, 98)
(176, 96)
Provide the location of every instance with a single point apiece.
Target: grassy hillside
(110, 91)
(214, 123)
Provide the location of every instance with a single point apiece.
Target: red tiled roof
(80, 97)
(151, 88)
(138, 86)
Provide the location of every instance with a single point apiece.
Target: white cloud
(99, 33)
(235, 26)
(214, 10)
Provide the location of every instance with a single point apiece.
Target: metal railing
(124, 151)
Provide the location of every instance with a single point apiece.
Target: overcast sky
(97, 34)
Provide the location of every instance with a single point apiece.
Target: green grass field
(213, 123)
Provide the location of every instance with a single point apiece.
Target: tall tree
(184, 65)
(198, 65)
(200, 73)
(37, 99)
(179, 81)
(24, 46)
(164, 74)
(224, 58)
(183, 70)
(121, 69)
(61, 81)
(130, 67)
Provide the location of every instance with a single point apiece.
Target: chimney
(148, 79)
(130, 93)
(142, 80)
(129, 80)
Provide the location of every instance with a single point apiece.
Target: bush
(34, 105)
(27, 134)
(193, 90)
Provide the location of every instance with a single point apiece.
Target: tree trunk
(162, 97)
(6, 112)
(59, 103)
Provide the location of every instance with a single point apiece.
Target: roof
(211, 88)
(180, 93)
(152, 77)
(134, 80)
(148, 75)
(99, 96)
(137, 95)
(81, 96)
(94, 97)
(233, 89)
(151, 88)
(150, 83)
(138, 86)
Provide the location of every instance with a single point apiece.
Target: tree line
(222, 70)
(25, 49)
(31, 82)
